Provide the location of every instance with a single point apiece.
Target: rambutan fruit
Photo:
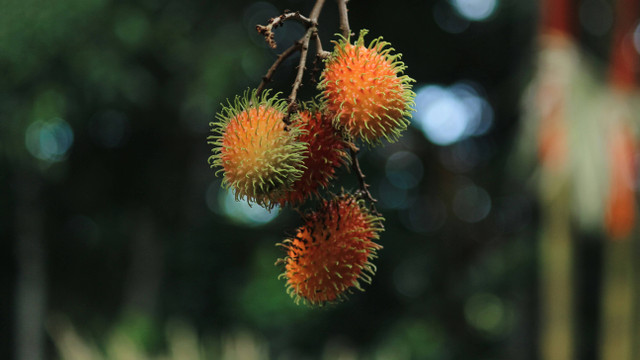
(365, 88)
(259, 155)
(326, 152)
(331, 252)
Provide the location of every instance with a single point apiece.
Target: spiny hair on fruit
(259, 156)
(365, 88)
(326, 152)
(332, 252)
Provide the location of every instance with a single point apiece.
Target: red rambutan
(364, 87)
(331, 252)
(326, 152)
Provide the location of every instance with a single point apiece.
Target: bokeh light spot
(211, 197)
(449, 114)
(448, 20)
(404, 170)
(461, 157)
(636, 38)
(49, 140)
(131, 26)
(241, 212)
(410, 277)
(485, 312)
(471, 204)
(440, 115)
(475, 10)
(478, 110)
(392, 197)
(425, 215)
(257, 13)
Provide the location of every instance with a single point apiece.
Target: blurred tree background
(117, 238)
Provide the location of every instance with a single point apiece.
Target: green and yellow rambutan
(332, 252)
(259, 155)
(365, 88)
(326, 152)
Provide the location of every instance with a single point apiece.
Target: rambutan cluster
(275, 152)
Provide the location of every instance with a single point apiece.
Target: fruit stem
(301, 45)
(267, 78)
(344, 18)
(315, 12)
(304, 49)
(320, 53)
(267, 30)
(355, 164)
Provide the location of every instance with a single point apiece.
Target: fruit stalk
(344, 18)
(353, 150)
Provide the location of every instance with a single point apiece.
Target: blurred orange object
(551, 96)
(621, 203)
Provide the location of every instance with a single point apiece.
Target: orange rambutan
(364, 87)
(259, 155)
(326, 152)
(331, 252)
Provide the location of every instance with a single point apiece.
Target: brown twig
(315, 12)
(301, 45)
(267, 30)
(355, 165)
(315, 69)
(281, 58)
(304, 49)
(344, 18)
(320, 53)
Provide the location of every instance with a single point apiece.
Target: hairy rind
(391, 133)
(326, 152)
(365, 271)
(269, 185)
